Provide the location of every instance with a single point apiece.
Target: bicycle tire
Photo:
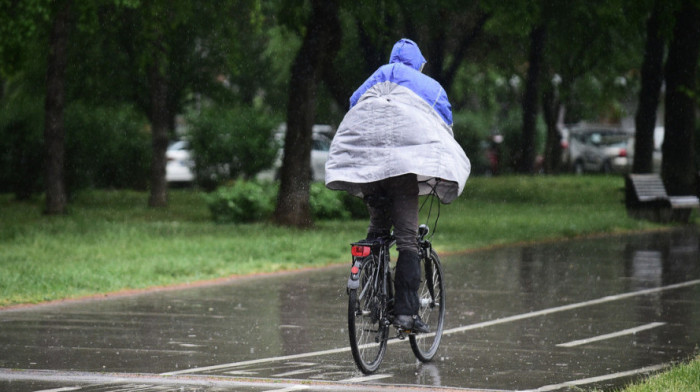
(368, 335)
(431, 295)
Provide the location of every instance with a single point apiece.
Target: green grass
(682, 378)
(111, 241)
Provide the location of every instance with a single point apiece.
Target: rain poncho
(399, 122)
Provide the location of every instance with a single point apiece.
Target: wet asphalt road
(589, 313)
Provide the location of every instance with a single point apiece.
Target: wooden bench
(646, 198)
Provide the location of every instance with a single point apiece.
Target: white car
(180, 165)
(599, 149)
(321, 138)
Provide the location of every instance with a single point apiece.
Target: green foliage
(20, 22)
(326, 204)
(253, 201)
(106, 147)
(228, 143)
(355, 206)
(21, 146)
(244, 201)
(490, 99)
(474, 130)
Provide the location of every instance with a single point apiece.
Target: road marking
(544, 312)
(296, 372)
(517, 317)
(367, 378)
(257, 361)
(290, 389)
(630, 331)
(155, 382)
(606, 377)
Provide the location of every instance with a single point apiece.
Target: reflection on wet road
(595, 312)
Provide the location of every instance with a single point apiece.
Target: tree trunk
(317, 51)
(530, 100)
(652, 78)
(551, 108)
(678, 165)
(159, 135)
(54, 131)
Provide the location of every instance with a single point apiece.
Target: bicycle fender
(354, 279)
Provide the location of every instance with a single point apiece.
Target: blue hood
(406, 52)
(404, 70)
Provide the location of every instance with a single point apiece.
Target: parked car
(179, 167)
(656, 154)
(599, 149)
(321, 139)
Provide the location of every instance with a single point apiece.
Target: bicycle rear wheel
(366, 314)
(432, 309)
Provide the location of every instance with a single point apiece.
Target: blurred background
(129, 94)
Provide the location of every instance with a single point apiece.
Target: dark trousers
(394, 202)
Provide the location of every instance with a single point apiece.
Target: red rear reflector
(355, 270)
(360, 251)
(623, 152)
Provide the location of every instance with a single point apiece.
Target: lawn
(682, 378)
(110, 240)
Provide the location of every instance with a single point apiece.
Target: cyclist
(394, 144)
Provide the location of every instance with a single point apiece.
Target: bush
(244, 201)
(253, 201)
(229, 143)
(106, 147)
(326, 204)
(21, 147)
(354, 205)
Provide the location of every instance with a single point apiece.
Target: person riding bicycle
(394, 144)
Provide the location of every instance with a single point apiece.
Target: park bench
(646, 198)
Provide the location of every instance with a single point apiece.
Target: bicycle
(370, 292)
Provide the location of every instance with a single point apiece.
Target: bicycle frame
(425, 248)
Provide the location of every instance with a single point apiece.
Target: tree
(32, 20)
(531, 99)
(447, 32)
(528, 22)
(652, 79)
(54, 131)
(28, 21)
(178, 50)
(317, 51)
(677, 167)
(587, 44)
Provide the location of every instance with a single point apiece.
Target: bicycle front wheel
(368, 334)
(431, 295)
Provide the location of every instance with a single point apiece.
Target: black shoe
(411, 323)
